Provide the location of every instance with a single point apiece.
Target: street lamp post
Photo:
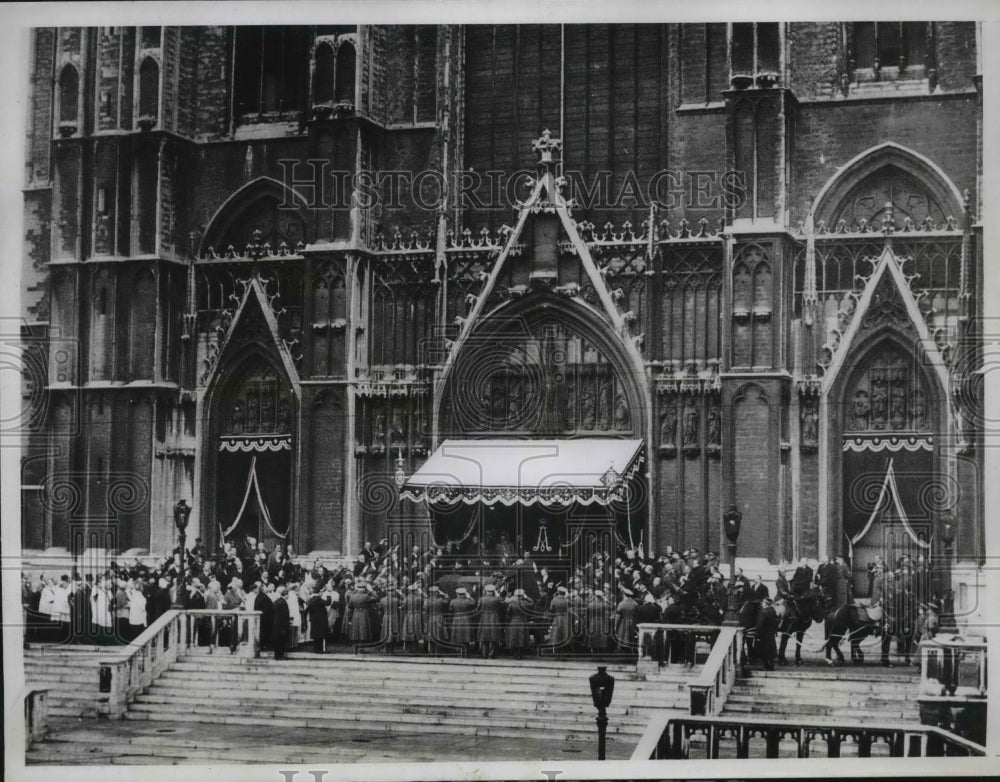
(731, 521)
(182, 511)
(602, 687)
(946, 532)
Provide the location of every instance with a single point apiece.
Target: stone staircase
(406, 695)
(70, 673)
(216, 707)
(864, 693)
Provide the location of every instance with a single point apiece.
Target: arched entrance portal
(254, 416)
(548, 372)
(887, 462)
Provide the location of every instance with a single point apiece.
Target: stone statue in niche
(252, 418)
(267, 410)
(690, 435)
(918, 410)
(897, 407)
(588, 412)
(604, 413)
(741, 289)
(378, 428)
(238, 417)
(879, 402)
(284, 416)
(568, 408)
(810, 425)
(668, 426)
(714, 424)
(862, 409)
(398, 427)
(622, 418)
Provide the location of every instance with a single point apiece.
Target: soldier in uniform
(358, 619)
(560, 629)
(597, 636)
(389, 608)
(413, 616)
(518, 612)
(490, 612)
(625, 626)
(435, 625)
(462, 608)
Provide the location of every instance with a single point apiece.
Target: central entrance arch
(545, 367)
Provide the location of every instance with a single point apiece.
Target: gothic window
(344, 80)
(323, 63)
(890, 189)
(271, 72)
(149, 92)
(69, 101)
(879, 45)
(754, 51)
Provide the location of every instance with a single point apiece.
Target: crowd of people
(431, 599)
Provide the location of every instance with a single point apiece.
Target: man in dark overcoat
(282, 624)
(766, 632)
(319, 622)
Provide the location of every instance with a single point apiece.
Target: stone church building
(500, 283)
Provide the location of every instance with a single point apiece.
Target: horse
(851, 621)
(799, 614)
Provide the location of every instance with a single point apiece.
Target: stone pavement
(101, 742)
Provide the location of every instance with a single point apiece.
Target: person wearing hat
(389, 608)
(357, 617)
(625, 632)
(436, 626)
(319, 622)
(264, 604)
(490, 613)
(560, 629)
(649, 612)
(766, 632)
(462, 610)
(597, 622)
(412, 631)
(519, 614)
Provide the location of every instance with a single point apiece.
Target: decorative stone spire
(809, 296)
(546, 147)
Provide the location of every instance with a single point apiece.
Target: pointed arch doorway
(254, 446)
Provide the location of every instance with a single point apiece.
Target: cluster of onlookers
(431, 598)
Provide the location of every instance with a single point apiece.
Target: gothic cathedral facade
(277, 266)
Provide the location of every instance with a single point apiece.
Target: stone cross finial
(545, 146)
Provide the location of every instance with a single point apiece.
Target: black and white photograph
(439, 391)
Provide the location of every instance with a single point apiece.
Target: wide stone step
(283, 688)
(566, 708)
(176, 676)
(395, 723)
(409, 666)
(808, 694)
(464, 714)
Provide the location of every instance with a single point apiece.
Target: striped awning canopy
(509, 472)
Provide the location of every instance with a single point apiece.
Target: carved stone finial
(545, 146)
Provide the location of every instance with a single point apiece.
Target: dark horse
(800, 613)
(852, 622)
